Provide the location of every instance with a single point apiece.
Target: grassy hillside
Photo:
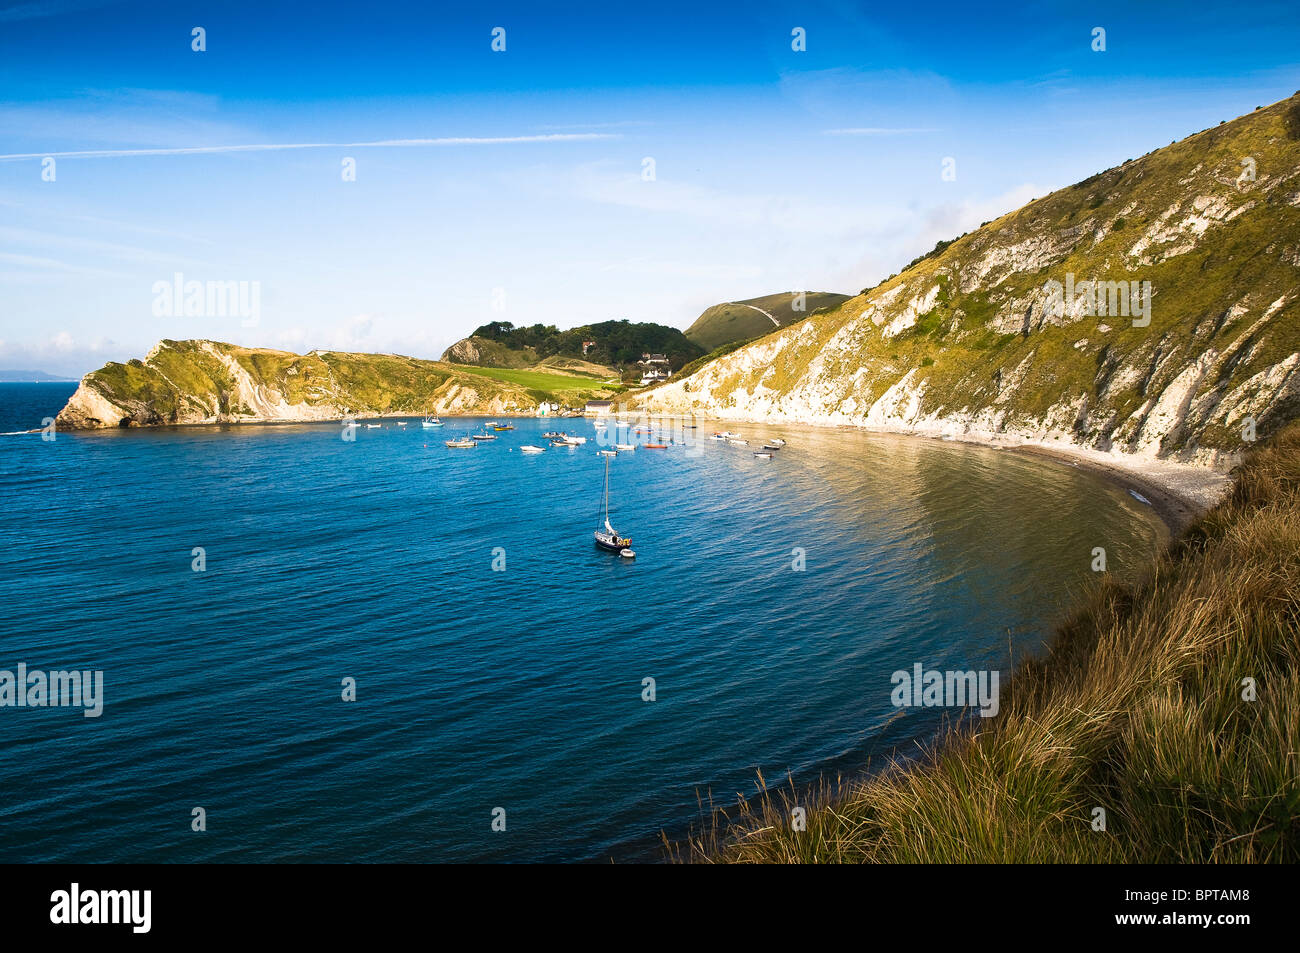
(740, 320)
(1140, 709)
(205, 381)
(964, 341)
(485, 352)
(572, 387)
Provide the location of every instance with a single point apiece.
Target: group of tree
(618, 343)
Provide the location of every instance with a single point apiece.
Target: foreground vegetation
(1174, 705)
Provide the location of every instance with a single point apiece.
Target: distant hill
(617, 343)
(741, 320)
(32, 377)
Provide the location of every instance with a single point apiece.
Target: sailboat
(608, 538)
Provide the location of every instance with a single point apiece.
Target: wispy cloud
(27, 237)
(280, 146)
(53, 264)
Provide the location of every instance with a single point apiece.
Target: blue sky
(517, 191)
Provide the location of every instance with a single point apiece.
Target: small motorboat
(625, 446)
(777, 442)
(555, 435)
(428, 423)
(464, 443)
(483, 436)
(655, 446)
(373, 426)
(576, 440)
(763, 454)
(770, 446)
(529, 448)
(401, 423)
(503, 426)
(563, 443)
(627, 553)
(608, 453)
(736, 441)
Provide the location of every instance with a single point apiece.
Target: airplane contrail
(279, 146)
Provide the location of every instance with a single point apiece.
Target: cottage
(654, 368)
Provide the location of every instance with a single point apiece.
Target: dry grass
(1138, 709)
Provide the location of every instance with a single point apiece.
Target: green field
(534, 380)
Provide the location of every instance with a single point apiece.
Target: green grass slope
(734, 321)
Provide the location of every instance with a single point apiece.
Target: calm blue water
(479, 689)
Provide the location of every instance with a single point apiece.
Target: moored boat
(461, 443)
(607, 538)
(529, 448)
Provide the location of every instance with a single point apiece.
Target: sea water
(232, 582)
